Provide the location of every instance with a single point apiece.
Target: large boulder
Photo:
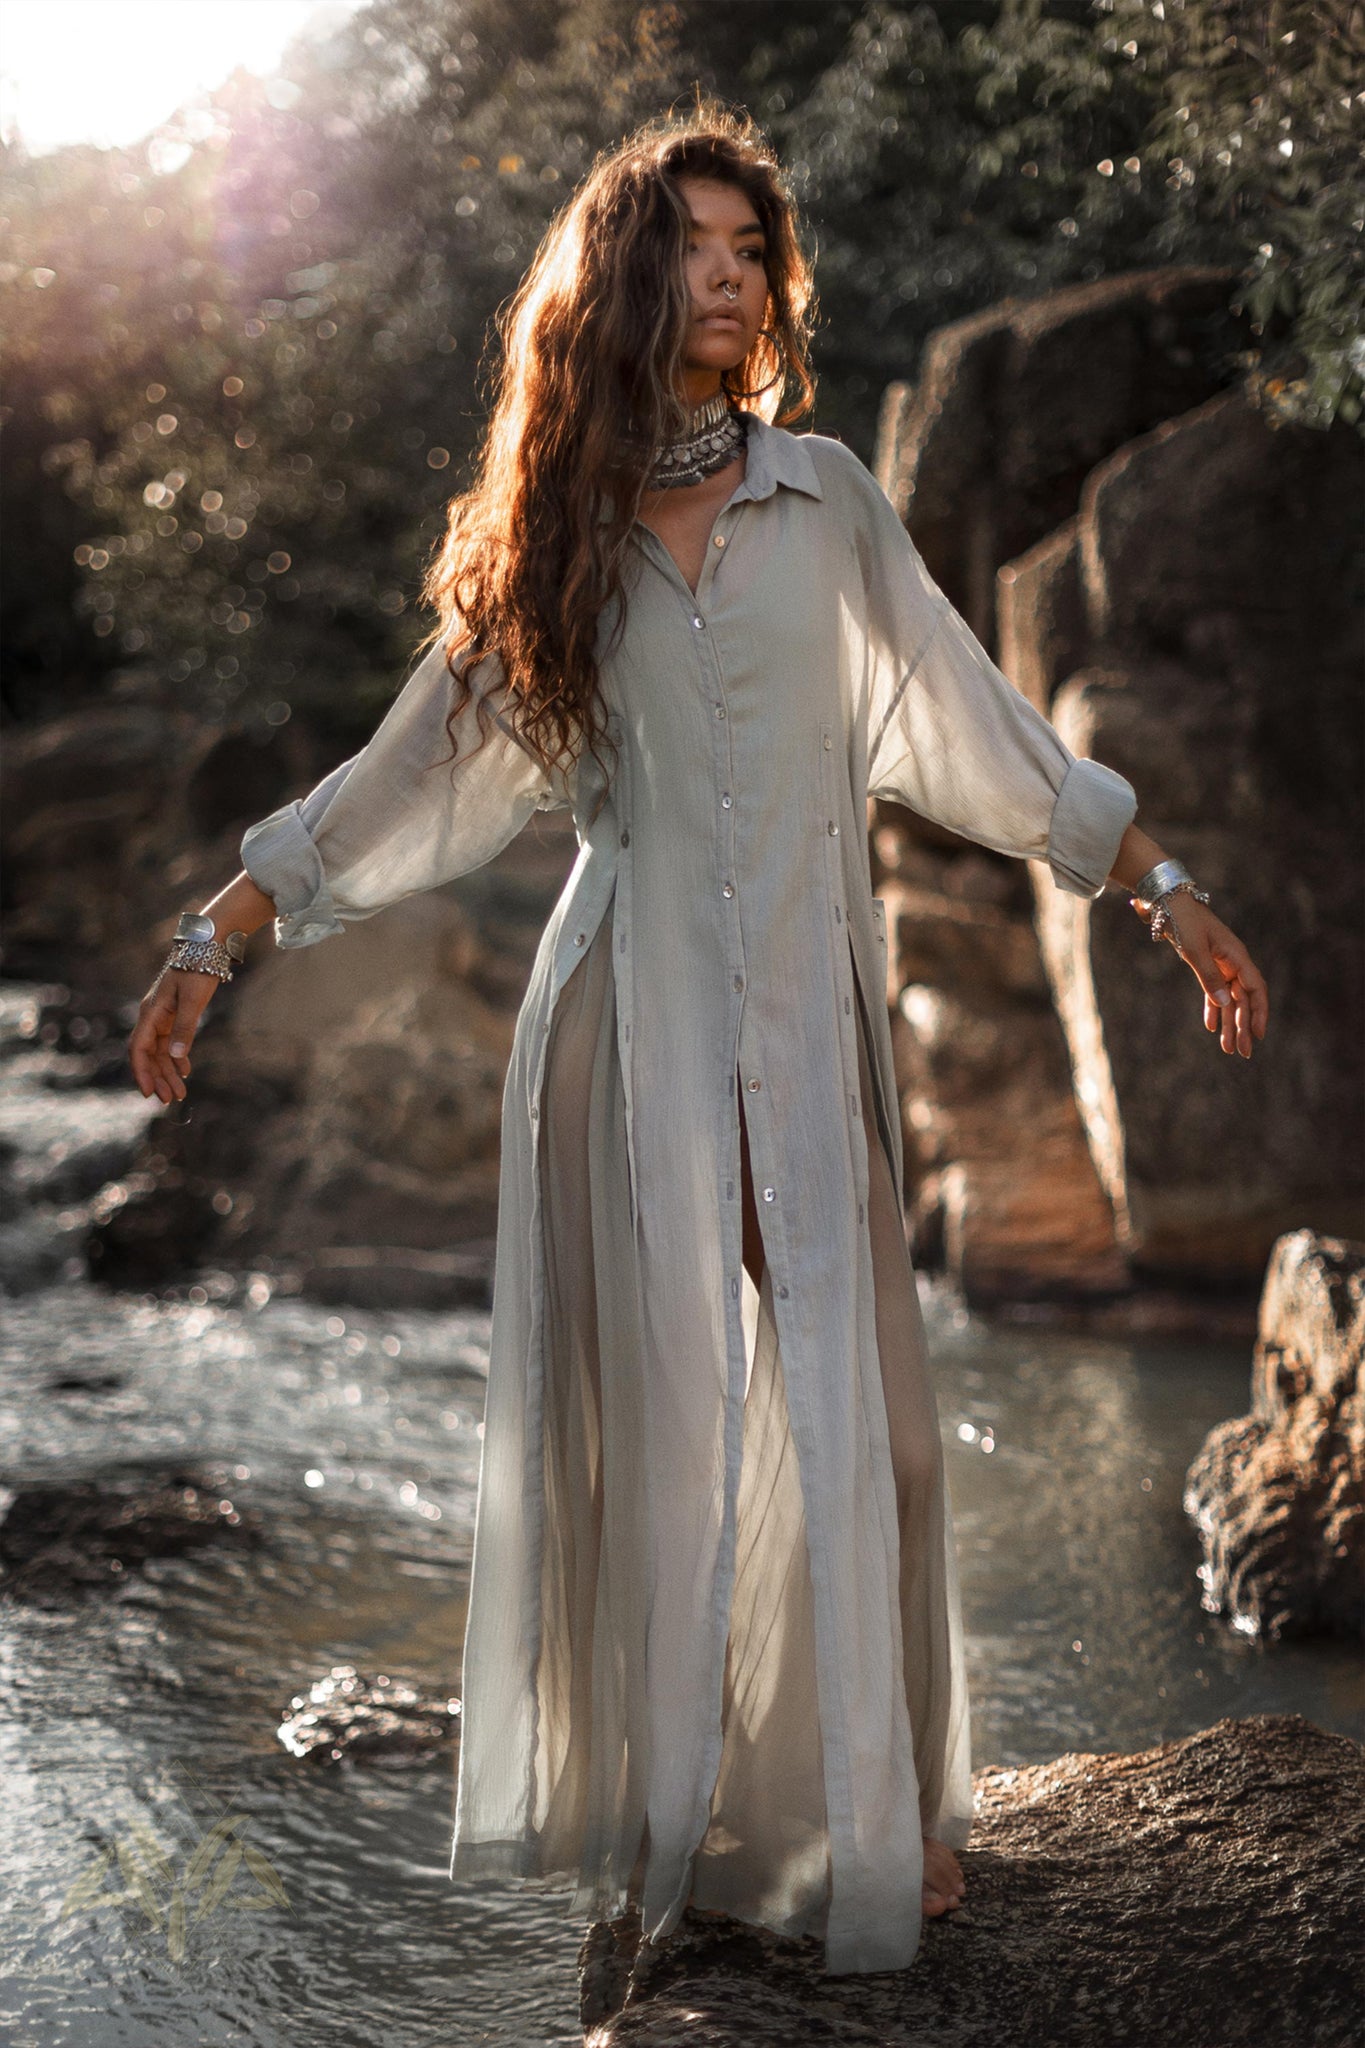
(1279, 1495)
(1180, 595)
(1197, 628)
(983, 456)
(1002, 1188)
(1203, 1891)
(989, 448)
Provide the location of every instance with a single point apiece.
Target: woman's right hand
(167, 1019)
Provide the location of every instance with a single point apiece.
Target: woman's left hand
(1236, 1004)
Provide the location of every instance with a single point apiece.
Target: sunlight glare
(110, 71)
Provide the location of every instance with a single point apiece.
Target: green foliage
(247, 363)
(1260, 125)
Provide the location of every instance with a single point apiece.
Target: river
(136, 1715)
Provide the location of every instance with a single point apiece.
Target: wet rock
(85, 1535)
(36, 1250)
(397, 1276)
(1202, 1891)
(87, 1383)
(1279, 1494)
(79, 1171)
(371, 1720)
(181, 1206)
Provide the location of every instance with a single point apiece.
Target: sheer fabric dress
(714, 1652)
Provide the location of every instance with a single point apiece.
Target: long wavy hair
(587, 388)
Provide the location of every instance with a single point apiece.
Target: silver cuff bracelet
(1154, 892)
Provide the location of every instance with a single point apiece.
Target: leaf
(204, 1854)
(153, 1853)
(263, 1870)
(140, 1884)
(222, 1878)
(175, 1931)
(86, 1887)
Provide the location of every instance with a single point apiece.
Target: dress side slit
(923, 1521)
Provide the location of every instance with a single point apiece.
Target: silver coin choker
(715, 436)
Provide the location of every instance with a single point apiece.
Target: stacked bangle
(1154, 892)
(197, 949)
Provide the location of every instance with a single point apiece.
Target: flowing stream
(136, 1714)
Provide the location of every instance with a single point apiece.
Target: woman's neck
(698, 386)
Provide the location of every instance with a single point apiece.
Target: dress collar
(776, 457)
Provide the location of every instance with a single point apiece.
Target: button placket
(715, 553)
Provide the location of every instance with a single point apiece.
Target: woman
(714, 1652)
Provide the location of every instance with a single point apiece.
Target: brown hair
(592, 350)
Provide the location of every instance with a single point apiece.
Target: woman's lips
(721, 320)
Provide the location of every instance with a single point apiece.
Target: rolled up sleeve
(1093, 810)
(281, 856)
(400, 816)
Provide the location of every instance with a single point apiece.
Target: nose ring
(731, 291)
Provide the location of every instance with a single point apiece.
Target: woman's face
(725, 279)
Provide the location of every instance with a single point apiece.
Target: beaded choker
(715, 436)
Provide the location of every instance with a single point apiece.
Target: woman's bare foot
(943, 1880)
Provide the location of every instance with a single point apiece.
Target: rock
(397, 1276)
(1279, 1495)
(75, 758)
(985, 457)
(1179, 595)
(84, 1536)
(115, 817)
(1203, 1891)
(344, 1106)
(1213, 561)
(1004, 1191)
(36, 1251)
(348, 1716)
(988, 450)
(79, 1171)
(190, 1191)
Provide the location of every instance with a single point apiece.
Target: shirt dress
(714, 1648)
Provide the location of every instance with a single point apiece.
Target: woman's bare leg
(917, 1468)
(753, 1235)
